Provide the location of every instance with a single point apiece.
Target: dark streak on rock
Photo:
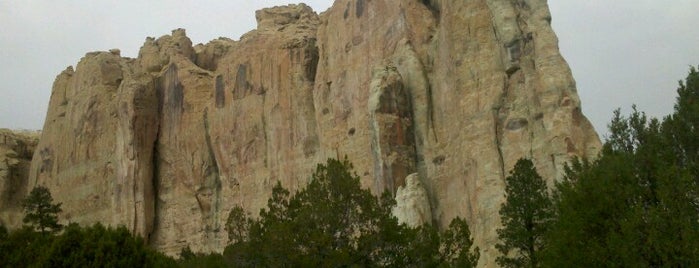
(172, 91)
(311, 60)
(242, 86)
(220, 92)
(212, 172)
(360, 8)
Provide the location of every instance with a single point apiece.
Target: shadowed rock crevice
(393, 139)
(213, 178)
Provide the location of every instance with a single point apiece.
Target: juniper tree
(525, 216)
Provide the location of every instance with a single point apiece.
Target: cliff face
(16, 150)
(455, 91)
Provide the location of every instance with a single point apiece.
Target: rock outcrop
(412, 203)
(16, 150)
(455, 91)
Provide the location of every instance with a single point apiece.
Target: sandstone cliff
(455, 91)
(16, 150)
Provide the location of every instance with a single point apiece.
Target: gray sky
(621, 51)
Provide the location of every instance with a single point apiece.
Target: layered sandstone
(455, 91)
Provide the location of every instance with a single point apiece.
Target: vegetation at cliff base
(635, 205)
(333, 222)
(45, 243)
(40, 212)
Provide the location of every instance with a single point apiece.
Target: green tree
(334, 222)
(94, 246)
(525, 216)
(190, 259)
(40, 211)
(238, 225)
(456, 246)
(100, 246)
(636, 205)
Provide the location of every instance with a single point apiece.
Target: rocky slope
(455, 91)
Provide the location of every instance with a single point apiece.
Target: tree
(334, 222)
(40, 211)
(238, 225)
(637, 205)
(76, 246)
(525, 216)
(456, 246)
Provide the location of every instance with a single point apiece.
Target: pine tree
(333, 222)
(40, 211)
(525, 216)
(636, 205)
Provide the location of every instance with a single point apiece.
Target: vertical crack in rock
(311, 64)
(212, 174)
(155, 181)
(499, 126)
(311, 60)
(265, 134)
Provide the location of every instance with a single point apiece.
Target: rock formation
(16, 150)
(455, 91)
(412, 203)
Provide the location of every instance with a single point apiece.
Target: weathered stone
(96, 155)
(455, 91)
(16, 150)
(391, 124)
(412, 203)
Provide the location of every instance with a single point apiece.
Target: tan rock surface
(96, 155)
(16, 150)
(455, 91)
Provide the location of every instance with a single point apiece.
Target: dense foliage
(334, 222)
(95, 246)
(637, 204)
(45, 243)
(525, 217)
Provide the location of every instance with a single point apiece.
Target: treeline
(636, 205)
(333, 222)
(43, 242)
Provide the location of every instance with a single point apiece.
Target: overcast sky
(621, 51)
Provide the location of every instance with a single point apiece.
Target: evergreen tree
(525, 215)
(40, 211)
(95, 246)
(456, 246)
(333, 222)
(636, 205)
